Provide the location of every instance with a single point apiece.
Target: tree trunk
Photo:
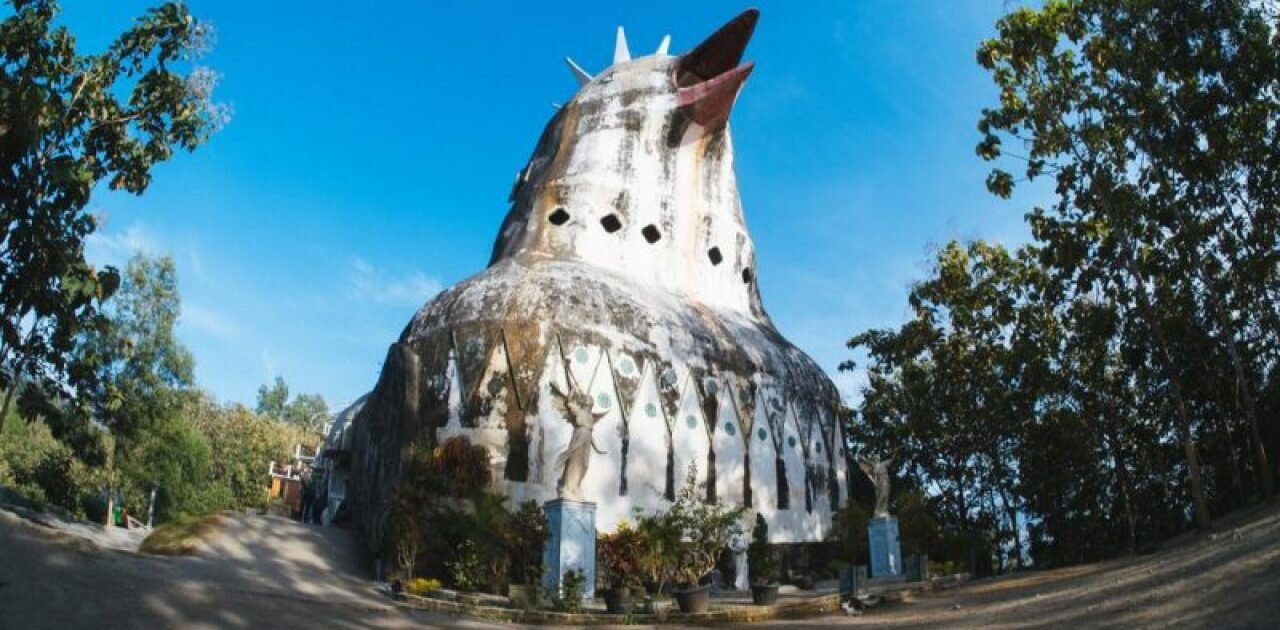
(1246, 400)
(1265, 477)
(8, 400)
(1199, 502)
(1011, 512)
(1122, 480)
(1237, 479)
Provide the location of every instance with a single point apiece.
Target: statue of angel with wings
(877, 470)
(575, 407)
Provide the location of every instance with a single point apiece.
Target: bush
(526, 536)
(42, 469)
(569, 599)
(620, 553)
(686, 541)
(919, 530)
(849, 533)
(761, 558)
(468, 570)
(241, 443)
(418, 586)
(660, 540)
(177, 458)
(180, 536)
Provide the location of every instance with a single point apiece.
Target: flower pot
(617, 601)
(523, 595)
(764, 594)
(694, 600)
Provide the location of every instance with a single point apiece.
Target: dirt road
(260, 572)
(1230, 579)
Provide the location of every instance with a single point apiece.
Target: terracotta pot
(617, 601)
(694, 600)
(764, 594)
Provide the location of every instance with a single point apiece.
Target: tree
(308, 412)
(273, 399)
(144, 372)
(67, 122)
(954, 389)
(143, 377)
(241, 444)
(1158, 123)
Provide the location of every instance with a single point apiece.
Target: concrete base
(571, 545)
(886, 553)
(853, 580)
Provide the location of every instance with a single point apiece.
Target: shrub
(40, 468)
(406, 525)
(180, 537)
(620, 553)
(704, 531)
(919, 530)
(526, 535)
(761, 558)
(460, 468)
(418, 586)
(849, 533)
(569, 599)
(659, 543)
(468, 570)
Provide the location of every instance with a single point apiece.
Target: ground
(262, 571)
(258, 572)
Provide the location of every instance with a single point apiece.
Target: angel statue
(877, 470)
(575, 407)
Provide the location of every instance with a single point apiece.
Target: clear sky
(372, 147)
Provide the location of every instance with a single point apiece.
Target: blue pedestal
(572, 545)
(886, 553)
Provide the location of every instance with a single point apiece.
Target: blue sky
(370, 152)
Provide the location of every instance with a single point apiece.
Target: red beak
(709, 77)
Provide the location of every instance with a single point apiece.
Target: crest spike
(664, 46)
(620, 52)
(582, 76)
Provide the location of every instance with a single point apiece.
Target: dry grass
(180, 537)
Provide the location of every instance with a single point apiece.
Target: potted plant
(764, 565)
(619, 554)
(659, 543)
(704, 529)
(526, 534)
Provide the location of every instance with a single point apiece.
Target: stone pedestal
(571, 545)
(886, 553)
(853, 580)
(916, 567)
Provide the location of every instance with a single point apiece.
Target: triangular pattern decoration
(525, 349)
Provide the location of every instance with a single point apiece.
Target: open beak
(709, 77)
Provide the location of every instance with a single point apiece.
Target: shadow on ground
(258, 572)
(1226, 580)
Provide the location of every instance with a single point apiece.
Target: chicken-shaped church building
(617, 337)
